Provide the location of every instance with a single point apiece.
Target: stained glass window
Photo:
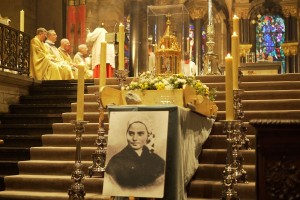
(270, 33)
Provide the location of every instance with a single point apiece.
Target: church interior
(227, 73)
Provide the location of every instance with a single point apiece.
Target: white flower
(169, 87)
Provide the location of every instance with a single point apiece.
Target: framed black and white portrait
(136, 154)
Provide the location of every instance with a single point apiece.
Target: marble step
(40, 195)
(252, 78)
(50, 183)
(213, 189)
(21, 140)
(14, 153)
(93, 117)
(263, 95)
(39, 108)
(68, 140)
(9, 168)
(219, 142)
(30, 118)
(25, 129)
(48, 99)
(218, 156)
(251, 86)
(218, 127)
(269, 104)
(58, 167)
(67, 128)
(215, 172)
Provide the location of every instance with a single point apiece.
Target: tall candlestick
(121, 40)
(102, 81)
(236, 58)
(229, 88)
(236, 25)
(80, 93)
(188, 44)
(22, 20)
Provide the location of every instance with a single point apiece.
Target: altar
(261, 68)
(187, 132)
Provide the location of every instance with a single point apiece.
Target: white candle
(121, 40)
(236, 58)
(80, 93)
(229, 88)
(102, 81)
(22, 20)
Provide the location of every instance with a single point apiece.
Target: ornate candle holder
(230, 128)
(243, 142)
(77, 188)
(99, 155)
(239, 115)
(121, 76)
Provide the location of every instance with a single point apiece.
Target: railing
(14, 50)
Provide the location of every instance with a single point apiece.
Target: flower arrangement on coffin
(149, 81)
(177, 89)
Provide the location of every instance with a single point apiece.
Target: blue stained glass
(270, 32)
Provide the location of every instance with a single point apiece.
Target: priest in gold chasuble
(41, 67)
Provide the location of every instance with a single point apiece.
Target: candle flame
(228, 55)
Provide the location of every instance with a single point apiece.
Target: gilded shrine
(168, 53)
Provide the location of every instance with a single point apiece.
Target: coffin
(185, 97)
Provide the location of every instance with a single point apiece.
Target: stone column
(197, 13)
(108, 12)
(198, 43)
(138, 37)
(291, 31)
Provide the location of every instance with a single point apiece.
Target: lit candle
(236, 25)
(80, 92)
(102, 81)
(22, 20)
(236, 58)
(121, 40)
(229, 88)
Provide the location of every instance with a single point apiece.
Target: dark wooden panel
(277, 159)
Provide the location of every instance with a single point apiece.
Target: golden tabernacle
(168, 53)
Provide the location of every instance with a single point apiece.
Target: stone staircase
(47, 174)
(27, 121)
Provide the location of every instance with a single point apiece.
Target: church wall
(50, 15)
(38, 13)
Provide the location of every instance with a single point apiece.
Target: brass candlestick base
(77, 192)
(99, 156)
(230, 128)
(121, 76)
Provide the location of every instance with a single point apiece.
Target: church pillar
(197, 14)
(138, 37)
(198, 43)
(298, 39)
(245, 36)
(290, 13)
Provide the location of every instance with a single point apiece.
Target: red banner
(76, 28)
